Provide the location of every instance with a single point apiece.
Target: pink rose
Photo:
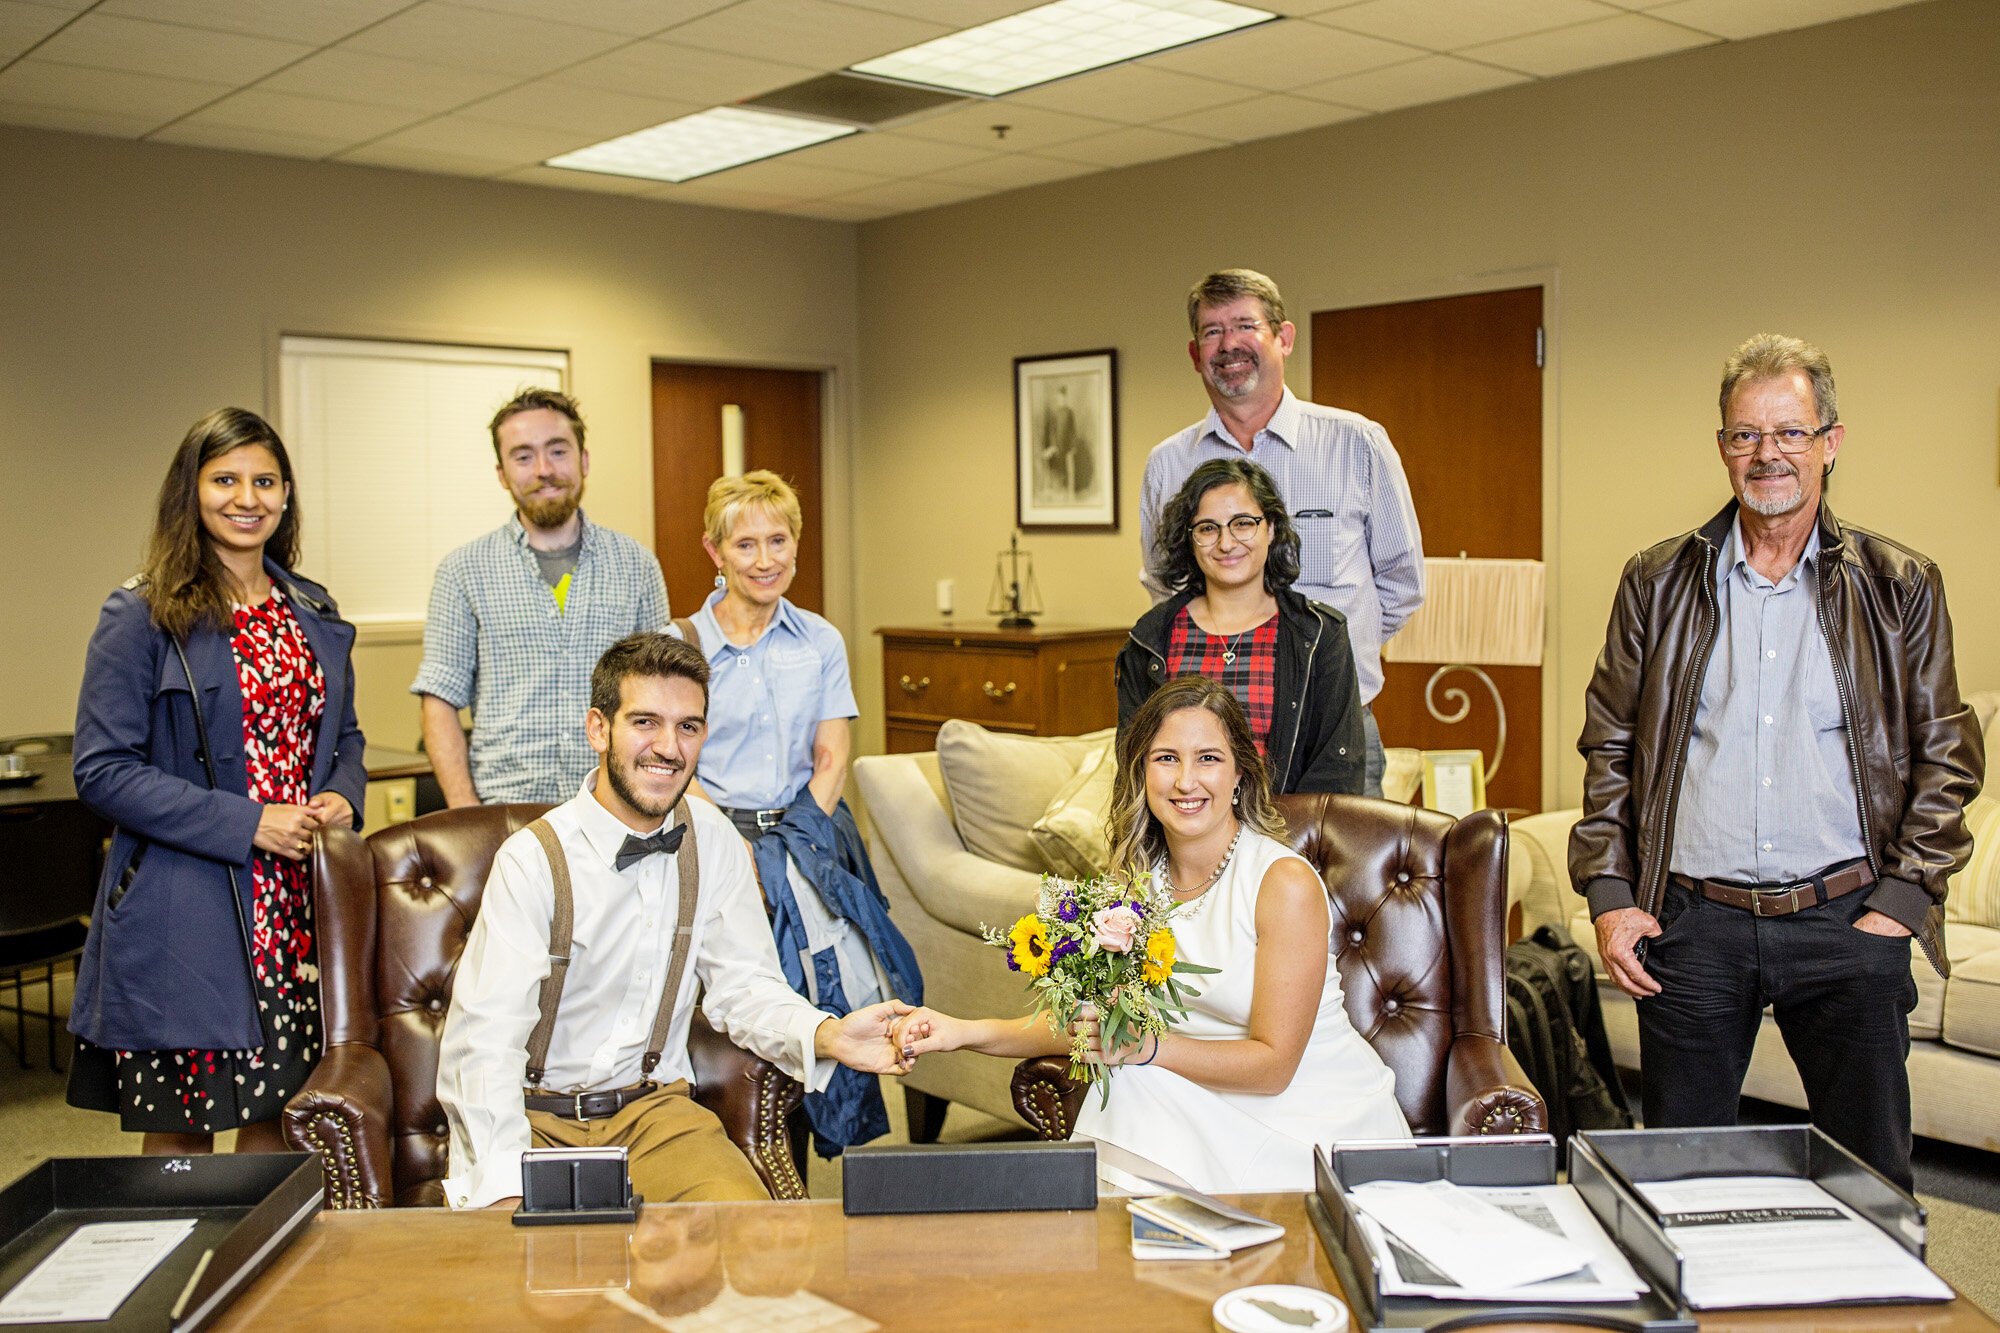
(1115, 928)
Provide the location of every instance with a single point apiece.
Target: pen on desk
(187, 1292)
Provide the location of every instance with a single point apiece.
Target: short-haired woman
(780, 731)
(1229, 554)
(1266, 1064)
(215, 729)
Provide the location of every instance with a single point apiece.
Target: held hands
(1618, 932)
(1089, 1027)
(863, 1040)
(922, 1031)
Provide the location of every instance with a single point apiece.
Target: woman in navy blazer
(197, 998)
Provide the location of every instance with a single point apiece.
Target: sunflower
(1030, 946)
(1159, 964)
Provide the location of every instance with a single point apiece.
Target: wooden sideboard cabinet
(1052, 680)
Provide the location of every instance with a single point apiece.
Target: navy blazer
(164, 966)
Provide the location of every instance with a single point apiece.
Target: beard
(1242, 388)
(620, 771)
(551, 511)
(1774, 507)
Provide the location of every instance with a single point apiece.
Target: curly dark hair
(1173, 540)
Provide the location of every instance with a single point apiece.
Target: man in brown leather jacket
(1777, 761)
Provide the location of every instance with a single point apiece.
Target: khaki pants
(678, 1150)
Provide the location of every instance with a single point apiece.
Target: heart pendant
(1228, 658)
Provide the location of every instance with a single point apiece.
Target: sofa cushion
(1973, 895)
(1972, 996)
(1070, 833)
(1000, 784)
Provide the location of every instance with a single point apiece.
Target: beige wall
(142, 285)
(1841, 183)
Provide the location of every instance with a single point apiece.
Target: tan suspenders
(562, 928)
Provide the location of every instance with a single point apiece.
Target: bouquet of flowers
(1103, 941)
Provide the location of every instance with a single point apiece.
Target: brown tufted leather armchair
(1419, 923)
(394, 912)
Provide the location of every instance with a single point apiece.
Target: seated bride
(1265, 1065)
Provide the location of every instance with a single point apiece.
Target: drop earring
(1236, 797)
(720, 581)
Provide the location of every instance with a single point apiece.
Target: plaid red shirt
(1252, 677)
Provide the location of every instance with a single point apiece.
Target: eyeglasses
(1737, 441)
(1212, 333)
(1243, 528)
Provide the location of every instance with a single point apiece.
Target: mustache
(1774, 468)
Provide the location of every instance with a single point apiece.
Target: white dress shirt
(625, 922)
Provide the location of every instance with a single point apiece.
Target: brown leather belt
(587, 1105)
(1784, 899)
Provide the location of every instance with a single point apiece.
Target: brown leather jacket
(1916, 749)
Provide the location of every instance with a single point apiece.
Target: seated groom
(590, 1049)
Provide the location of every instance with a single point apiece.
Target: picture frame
(1066, 441)
(1454, 781)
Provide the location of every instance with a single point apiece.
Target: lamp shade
(1489, 612)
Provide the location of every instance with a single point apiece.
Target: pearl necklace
(1185, 908)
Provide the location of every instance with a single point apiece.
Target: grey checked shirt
(494, 640)
(1768, 792)
(1359, 548)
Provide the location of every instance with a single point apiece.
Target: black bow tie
(634, 850)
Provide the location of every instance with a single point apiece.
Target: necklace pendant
(1228, 656)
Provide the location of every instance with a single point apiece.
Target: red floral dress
(284, 696)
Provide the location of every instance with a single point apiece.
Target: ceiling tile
(1589, 45)
(797, 180)
(480, 39)
(889, 154)
(77, 121)
(430, 161)
(909, 196)
(317, 23)
(248, 139)
(1431, 79)
(107, 41)
(1447, 25)
(1012, 171)
(1260, 118)
(508, 145)
(1133, 94)
(1141, 143)
(1738, 19)
(344, 124)
(837, 210)
(805, 32)
(716, 192)
(21, 26)
(1283, 56)
(1029, 128)
(1300, 8)
(681, 74)
(590, 182)
(547, 105)
(38, 82)
(633, 18)
(73, 6)
(954, 14)
(357, 76)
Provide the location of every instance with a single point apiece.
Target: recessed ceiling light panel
(701, 144)
(1057, 40)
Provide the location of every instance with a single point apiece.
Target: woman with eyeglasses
(1229, 554)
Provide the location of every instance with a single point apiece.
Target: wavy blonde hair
(728, 497)
(1137, 838)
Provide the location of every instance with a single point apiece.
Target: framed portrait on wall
(1066, 441)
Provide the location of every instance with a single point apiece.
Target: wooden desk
(57, 784)
(712, 1265)
(1051, 680)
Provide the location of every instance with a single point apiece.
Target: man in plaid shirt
(520, 616)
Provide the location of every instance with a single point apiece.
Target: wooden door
(781, 432)
(1457, 382)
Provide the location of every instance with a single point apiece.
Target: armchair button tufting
(440, 1130)
(1402, 877)
(434, 1004)
(424, 883)
(1357, 935)
(1391, 1005)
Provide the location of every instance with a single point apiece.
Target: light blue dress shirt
(1360, 550)
(1768, 792)
(765, 702)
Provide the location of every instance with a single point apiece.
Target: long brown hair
(184, 583)
(1138, 839)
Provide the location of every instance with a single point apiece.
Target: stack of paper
(1190, 1225)
(1530, 1243)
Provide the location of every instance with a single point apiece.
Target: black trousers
(1841, 997)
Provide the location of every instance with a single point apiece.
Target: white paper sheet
(90, 1274)
(1554, 1209)
(1780, 1240)
(1477, 1246)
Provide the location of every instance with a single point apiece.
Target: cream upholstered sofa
(960, 837)
(1954, 1059)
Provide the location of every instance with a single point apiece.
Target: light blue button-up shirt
(1768, 792)
(765, 702)
(1360, 551)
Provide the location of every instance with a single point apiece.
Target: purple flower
(1063, 949)
(1012, 966)
(1137, 907)
(1066, 908)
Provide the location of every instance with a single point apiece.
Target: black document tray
(1528, 1159)
(246, 1208)
(1604, 1164)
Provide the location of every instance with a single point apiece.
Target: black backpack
(1556, 1030)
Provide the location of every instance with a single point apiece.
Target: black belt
(588, 1105)
(754, 824)
(1784, 899)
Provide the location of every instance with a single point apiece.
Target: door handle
(1000, 692)
(915, 686)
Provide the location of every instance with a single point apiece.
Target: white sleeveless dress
(1240, 1142)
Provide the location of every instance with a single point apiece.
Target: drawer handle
(915, 686)
(998, 691)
